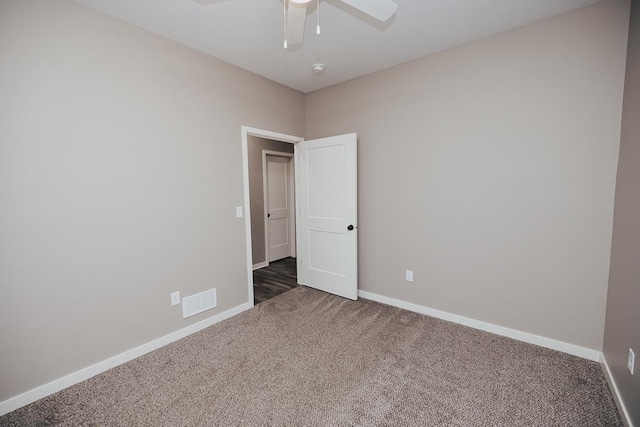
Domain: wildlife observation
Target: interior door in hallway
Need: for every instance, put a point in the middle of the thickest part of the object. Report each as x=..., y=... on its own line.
x=279, y=202
x=327, y=214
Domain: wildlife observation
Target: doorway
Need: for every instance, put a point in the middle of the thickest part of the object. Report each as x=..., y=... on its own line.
x=278, y=273
x=326, y=217
x=279, y=203
x=269, y=169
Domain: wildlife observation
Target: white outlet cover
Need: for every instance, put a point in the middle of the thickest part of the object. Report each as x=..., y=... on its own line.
x=631, y=361
x=409, y=276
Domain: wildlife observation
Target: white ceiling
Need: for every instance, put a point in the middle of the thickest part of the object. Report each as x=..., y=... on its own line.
x=249, y=33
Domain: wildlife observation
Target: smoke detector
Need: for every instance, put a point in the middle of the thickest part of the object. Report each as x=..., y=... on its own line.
x=317, y=68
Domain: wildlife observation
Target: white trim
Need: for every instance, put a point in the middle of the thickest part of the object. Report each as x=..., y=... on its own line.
x=292, y=207
x=626, y=419
x=564, y=347
x=245, y=132
x=265, y=207
x=260, y=265
x=265, y=197
x=83, y=374
x=296, y=178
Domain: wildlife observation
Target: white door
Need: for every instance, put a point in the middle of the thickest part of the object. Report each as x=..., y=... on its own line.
x=327, y=214
x=278, y=207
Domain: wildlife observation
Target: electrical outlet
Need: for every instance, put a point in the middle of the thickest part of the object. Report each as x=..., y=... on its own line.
x=175, y=298
x=408, y=276
x=631, y=361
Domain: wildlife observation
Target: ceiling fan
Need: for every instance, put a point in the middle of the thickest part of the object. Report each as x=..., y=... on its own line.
x=296, y=15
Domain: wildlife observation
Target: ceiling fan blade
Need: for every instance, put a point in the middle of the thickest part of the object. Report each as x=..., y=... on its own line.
x=381, y=10
x=296, y=18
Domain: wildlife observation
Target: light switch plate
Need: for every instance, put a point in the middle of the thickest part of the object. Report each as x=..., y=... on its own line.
x=238, y=211
x=409, y=276
x=631, y=361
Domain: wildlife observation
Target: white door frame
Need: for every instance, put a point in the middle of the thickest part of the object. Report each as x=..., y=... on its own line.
x=290, y=195
x=247, y=131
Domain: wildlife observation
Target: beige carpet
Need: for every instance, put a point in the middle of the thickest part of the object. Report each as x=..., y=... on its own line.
x=308, y=358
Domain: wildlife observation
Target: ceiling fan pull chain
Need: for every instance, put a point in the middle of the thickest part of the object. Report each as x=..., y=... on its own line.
x=284, y=9
x=318, y=16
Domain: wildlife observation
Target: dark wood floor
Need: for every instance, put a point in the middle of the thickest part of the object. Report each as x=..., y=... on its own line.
x=268, y=282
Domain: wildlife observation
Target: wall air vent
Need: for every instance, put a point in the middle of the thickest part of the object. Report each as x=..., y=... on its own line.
x=198, y=303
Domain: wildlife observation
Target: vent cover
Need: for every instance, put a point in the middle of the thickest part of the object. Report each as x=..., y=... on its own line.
x=198, y=303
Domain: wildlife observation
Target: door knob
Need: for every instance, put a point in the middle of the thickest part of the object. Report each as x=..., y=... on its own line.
x=268, y=215
x=350, y=227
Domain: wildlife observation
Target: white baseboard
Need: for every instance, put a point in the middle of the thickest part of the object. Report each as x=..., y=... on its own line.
x=564, y=347
x=626, y=419
x=83, y=374
x=260, y=265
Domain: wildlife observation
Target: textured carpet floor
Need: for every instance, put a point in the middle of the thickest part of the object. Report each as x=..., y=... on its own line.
x=309, y=358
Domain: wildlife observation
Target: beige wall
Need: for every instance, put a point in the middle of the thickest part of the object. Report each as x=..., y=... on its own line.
x=489, y=170
x=255, y=146
x=120, y=170
x=623, y=301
